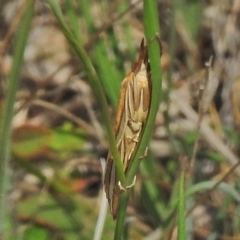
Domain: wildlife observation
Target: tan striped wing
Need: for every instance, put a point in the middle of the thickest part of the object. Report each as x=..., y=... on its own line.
x=132, y=112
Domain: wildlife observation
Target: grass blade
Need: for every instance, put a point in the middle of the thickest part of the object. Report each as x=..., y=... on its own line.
x=13, y=82
x=151, y=25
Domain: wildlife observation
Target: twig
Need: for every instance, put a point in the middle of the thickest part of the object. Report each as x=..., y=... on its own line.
x=103, y=209
x=209, y=135
x=66, y=114
x=98, y=129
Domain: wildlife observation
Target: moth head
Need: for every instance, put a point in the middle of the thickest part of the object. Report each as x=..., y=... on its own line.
x=142, y=64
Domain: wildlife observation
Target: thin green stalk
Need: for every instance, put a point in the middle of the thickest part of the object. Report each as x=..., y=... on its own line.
x=13, y=82
x=152, y=29
x=95, y=85
x=73, y=19
x=109, y=77
x=158, y=210
x=181, y=208
x=85, y=6
x=121, y=216
x=151, y=26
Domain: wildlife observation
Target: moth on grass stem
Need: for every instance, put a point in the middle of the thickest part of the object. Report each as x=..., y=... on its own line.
x=132, y=112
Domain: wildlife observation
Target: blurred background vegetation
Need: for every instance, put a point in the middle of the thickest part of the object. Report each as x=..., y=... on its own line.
x=57, y=134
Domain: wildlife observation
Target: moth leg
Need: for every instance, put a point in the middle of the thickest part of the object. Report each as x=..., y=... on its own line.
x=144, y=154
x=132, y=184
x=121, y=187
x=133, y=139
x=156, y=36
x=127, y=187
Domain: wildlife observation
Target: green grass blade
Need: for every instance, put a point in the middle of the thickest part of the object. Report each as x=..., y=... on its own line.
x=85, y=7
x=121, y=216
x=210, y=185
x=151, y=26
x=95, y=85
x=181, y=208
x=73, y=20
x=13, y=82
x=110, y=80
x=152, y=192
x=109, y=77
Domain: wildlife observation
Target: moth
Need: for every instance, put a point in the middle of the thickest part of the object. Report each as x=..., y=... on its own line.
x=132, y=112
